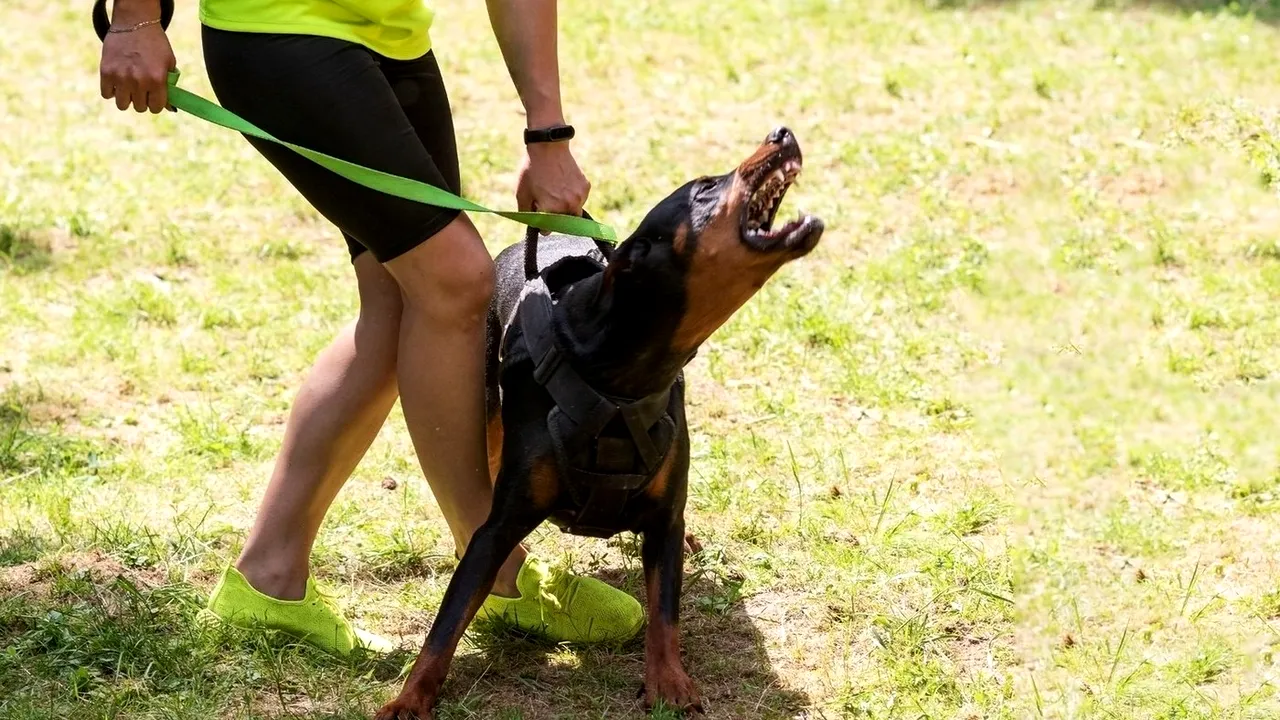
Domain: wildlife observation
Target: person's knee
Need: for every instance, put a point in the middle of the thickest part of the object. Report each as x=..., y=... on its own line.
x=460, y=286
x=450, y=277
x=465, y=285
x=381, y=301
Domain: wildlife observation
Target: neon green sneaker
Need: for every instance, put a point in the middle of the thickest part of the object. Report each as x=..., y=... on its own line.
x=566, y=608
x=314, y=619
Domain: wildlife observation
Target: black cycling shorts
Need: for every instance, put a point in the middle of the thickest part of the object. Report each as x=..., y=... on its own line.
x=344, y=100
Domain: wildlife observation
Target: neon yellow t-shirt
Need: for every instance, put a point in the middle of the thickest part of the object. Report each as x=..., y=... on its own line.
x=398, y=29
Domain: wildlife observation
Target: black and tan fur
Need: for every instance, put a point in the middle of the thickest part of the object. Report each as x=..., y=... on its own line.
x=697, y=257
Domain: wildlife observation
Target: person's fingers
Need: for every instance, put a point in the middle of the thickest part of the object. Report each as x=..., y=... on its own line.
x=123, y=93
x=140, y=99
x=538, y=205
x=524, y=197
x=146, y=84
x=579, y=200
x=158, y=96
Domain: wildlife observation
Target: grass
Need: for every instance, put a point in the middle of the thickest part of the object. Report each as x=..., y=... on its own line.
x=1005, y=446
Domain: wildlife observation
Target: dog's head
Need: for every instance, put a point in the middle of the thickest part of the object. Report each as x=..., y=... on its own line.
x=711, y=244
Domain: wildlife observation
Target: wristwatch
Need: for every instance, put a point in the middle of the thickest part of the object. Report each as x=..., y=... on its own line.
x=555, y=133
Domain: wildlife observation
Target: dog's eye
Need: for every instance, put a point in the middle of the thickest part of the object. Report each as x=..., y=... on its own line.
x=704, y=187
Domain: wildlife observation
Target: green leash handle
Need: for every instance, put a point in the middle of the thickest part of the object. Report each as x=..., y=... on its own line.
x=396, y=185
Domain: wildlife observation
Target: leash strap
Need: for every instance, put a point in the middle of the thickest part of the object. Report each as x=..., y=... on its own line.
x=396, y=185
x=383, y=182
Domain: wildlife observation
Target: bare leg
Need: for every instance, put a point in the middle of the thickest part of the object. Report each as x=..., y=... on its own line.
x=446, y=284
x=337, y=414
x=346, y=398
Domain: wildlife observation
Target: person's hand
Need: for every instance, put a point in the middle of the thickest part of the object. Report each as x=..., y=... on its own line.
x=551, y=181
x=136, y=64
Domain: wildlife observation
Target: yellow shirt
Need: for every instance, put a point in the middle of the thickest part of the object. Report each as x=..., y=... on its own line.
x=398, y=29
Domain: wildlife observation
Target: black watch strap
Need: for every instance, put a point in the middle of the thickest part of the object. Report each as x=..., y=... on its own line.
x=555, y=133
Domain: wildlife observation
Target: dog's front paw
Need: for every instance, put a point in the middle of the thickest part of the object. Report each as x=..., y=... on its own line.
x=408, y=707
x=673, y=686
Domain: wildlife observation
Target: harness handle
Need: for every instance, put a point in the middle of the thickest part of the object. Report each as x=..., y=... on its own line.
x=102, y=23
x=531, y=248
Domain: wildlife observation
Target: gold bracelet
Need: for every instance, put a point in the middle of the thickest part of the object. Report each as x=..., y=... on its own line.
x=135, y=27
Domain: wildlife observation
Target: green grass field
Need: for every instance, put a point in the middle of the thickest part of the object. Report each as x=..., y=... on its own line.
x=1006, y=445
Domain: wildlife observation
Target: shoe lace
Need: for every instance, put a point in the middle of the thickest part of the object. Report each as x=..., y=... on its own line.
x=328, y=601
x=331, y=603
x=556, y=588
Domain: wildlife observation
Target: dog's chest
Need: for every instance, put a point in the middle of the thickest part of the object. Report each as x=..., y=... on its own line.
x=612, y=456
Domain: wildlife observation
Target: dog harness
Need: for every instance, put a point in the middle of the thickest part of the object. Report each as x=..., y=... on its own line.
x=608, y=449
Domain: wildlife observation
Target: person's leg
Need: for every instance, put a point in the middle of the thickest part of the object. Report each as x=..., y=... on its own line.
x=341, y=406
x=447, y=282
x=337, y=98
x=458, y=253
x=337, y=413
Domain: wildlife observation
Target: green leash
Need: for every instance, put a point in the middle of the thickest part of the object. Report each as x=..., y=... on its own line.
x=396, y=185
x=401, y=187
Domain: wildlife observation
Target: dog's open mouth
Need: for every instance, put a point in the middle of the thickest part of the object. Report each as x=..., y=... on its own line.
x=768, y=185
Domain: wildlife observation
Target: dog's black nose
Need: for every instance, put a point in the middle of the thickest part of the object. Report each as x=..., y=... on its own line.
x=781, y=136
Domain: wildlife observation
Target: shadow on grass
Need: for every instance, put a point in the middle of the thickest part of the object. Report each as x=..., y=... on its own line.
x=1267, y=11
x=81, y=631
x=519, y=678
x=22, y=250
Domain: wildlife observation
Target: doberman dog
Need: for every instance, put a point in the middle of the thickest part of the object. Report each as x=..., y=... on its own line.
x=612, y=326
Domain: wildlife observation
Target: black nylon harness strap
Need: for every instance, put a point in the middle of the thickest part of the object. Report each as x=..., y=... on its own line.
x=608, y=479
x=571, y=393
x=640, y=436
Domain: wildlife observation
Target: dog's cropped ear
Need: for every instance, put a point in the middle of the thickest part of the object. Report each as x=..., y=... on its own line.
x=623, y=261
